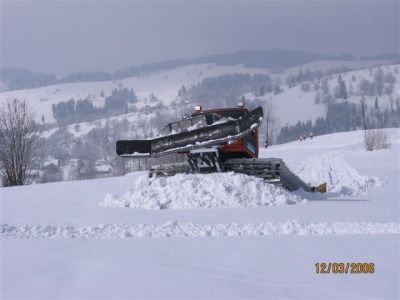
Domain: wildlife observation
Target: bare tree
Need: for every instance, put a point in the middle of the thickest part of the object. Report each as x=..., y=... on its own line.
x=145, y=130
x=19, y=143
x=363, y=115
x=270, y=123
x=375, y=139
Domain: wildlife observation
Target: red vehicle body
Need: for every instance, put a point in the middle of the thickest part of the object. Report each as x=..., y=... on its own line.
x=246, y=147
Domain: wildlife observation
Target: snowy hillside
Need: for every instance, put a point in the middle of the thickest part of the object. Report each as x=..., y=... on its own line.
x=92, y=116
x=326, y=65
x=295, y=104
x=166, y=84
x=211, y=236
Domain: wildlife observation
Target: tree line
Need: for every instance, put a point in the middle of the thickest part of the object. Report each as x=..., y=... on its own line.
x=273, y=59
x=226, y=90
x=343, y=116
x=72, y=111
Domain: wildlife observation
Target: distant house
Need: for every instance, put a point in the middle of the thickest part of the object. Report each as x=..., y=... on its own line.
x=102, y=168
x=33, y=175
x=51, y=161
x=69, y=169
x=50, y=170
x=51, y=173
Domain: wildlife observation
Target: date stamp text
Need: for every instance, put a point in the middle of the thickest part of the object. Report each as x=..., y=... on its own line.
x=344, y=268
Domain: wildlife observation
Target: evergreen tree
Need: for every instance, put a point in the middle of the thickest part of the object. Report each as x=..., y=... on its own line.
x=341, y=90
x=325, y=86
x=379, y=80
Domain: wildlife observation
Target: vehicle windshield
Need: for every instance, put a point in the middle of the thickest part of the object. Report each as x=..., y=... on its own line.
x=201, y=119
x=234, y=114
x=187, y=124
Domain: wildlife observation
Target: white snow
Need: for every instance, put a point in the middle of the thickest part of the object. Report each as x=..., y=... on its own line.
x=164, y=85
x=292, y=104
x=56, y=241
x=82, y=128
x=340, y=177
x=201, y=191
x=179, y=230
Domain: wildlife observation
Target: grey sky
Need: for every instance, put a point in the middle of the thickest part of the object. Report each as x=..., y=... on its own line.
x=67, y=36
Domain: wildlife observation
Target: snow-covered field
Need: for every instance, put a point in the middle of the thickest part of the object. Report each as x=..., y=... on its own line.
x=232, y=237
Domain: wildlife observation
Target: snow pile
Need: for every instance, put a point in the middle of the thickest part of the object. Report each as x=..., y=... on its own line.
x=201, y=191
x=178, y=230
x=337, y=173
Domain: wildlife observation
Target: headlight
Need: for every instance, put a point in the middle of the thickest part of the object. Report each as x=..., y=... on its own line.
x=236, y=142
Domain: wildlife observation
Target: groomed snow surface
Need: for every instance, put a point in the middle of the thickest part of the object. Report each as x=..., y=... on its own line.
x=214, y=236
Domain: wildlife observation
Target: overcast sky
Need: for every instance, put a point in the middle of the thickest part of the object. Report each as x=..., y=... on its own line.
x=67, y=36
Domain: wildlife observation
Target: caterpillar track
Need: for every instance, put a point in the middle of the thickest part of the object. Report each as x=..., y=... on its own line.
x=272, y=170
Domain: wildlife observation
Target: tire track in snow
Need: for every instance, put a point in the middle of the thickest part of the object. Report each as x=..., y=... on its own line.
x=179, y=230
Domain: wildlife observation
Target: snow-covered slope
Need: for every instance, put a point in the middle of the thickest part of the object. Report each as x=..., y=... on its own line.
x=164, y=85
x=295, y=104
x=326, y=65
x=57, y=241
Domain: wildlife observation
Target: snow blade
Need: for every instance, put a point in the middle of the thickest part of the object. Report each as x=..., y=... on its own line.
x=319, y=189
x=138, y=148
x=206, y=136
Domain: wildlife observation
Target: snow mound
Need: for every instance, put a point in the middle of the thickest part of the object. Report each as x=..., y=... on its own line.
x=201, y=191
x=179, y=230
x=337, y=173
